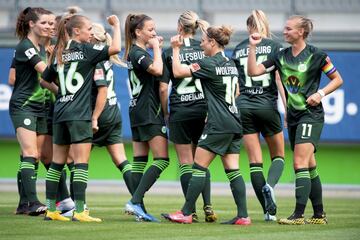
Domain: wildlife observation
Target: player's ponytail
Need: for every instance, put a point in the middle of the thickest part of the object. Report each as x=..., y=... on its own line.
x=132, y=23
x=189, y=21
x=258, y=22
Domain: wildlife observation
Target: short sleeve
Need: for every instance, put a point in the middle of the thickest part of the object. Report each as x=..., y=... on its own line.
x=142, y=59
x=326, y=66
x=201, y=69
x=13, y=63
x=96, y=53
x=99, y=76
x=25, y=52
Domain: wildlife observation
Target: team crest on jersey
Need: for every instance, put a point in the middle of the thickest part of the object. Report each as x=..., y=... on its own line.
x=99, y=74
x=195, y=67
x=293, y=84
x=98, y=47
x=30, y=53
x=302, y=67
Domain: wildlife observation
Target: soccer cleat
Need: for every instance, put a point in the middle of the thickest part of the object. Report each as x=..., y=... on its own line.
x=239, y=221
x=68, y=214
x=195, y=217
x=55, y=216
x=36, y=208
x=319, y=219
x=136, y=209
x=83, y=217
x=294, y=219
x=65, y=205
x=177, y=217
x=22, y=208
x=210, y=216
x=269, y=218
x=269, y=196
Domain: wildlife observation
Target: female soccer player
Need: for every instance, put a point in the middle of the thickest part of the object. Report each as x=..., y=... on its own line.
x=146, y=117
x=27, y=102
x=300, y=67
x=187, y=105
x=258, y=106
x=73, y=64
x=108, y=131
x=222, y=132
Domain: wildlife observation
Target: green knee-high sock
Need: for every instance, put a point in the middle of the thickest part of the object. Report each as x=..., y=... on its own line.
x=185, y=176
x=52, y=181
x=316, y=192
x=137, y=172
x=71, y=168
x=302, y=189
x=63, y=190
x=258, y=181
x=28, y=178
x=22, y=197
x=196, y=186
x=80, y=184
x=238, y=190
x=275, y=170
x=206, y=192
x=149, y=178
x=125, y=168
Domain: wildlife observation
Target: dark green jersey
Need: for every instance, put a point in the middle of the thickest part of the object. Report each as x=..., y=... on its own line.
x=300, y=76
x=27, y=95
x=75, y=79
x=219, y=76
x=144, y=107
x=104, y=76
x=187, y=99
x=261, y=91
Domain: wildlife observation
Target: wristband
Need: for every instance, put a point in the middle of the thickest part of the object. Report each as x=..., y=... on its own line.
x=321, y=92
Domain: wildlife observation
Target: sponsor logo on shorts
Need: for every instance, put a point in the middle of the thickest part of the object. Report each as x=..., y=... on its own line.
x=163, y=129
x=27, y=121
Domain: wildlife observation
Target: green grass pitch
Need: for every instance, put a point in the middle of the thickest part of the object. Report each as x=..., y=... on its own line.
x=343, y=215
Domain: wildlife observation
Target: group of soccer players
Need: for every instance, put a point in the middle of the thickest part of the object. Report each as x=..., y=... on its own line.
x=214, y=102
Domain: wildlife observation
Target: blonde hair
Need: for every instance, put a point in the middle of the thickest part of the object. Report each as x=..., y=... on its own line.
x=190, y=22
x=220, y=34
x=101, y=36
x=258, y=22
x=304, y=23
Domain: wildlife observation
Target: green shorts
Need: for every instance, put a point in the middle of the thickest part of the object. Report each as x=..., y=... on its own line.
x=29, y=122
x=108, y=135
x=221, y=144
x=264, y=121
x=147, y=132
x=69, y=132
x=186, y=132
x=305, y=133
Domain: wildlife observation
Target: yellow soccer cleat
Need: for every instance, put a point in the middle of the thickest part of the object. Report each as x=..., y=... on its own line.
x=210, y=216
x=317, y=219
x=55, y=216
x=84, y=217
x=292, y=220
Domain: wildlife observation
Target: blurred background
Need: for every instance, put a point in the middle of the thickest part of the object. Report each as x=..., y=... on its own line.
x=336, y=30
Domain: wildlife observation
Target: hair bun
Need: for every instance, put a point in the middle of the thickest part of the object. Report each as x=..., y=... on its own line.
x=26, y=10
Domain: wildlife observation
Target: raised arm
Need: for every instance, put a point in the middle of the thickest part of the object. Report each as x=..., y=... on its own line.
x=115, y=46
x=179, y=70
x=253, y=68
x=156, y=68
